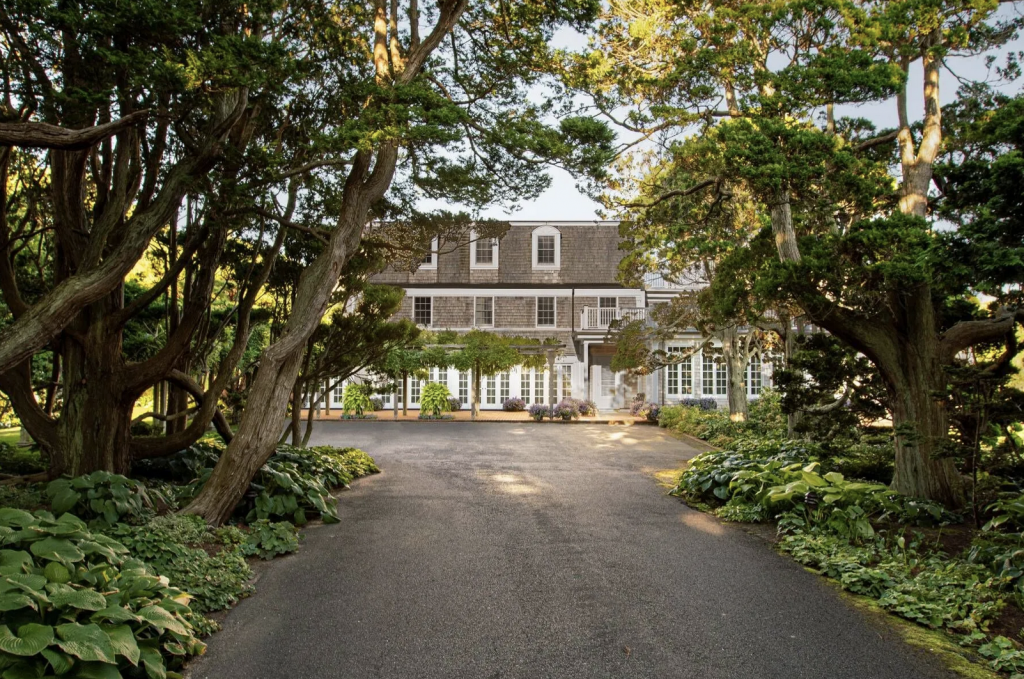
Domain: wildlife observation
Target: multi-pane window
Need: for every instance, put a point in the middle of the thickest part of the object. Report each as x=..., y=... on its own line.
x=485, y=248
x=546, y=246
x=524, y=385
x=566, y=381
x=755, y=379
x=545, y=311
x=463, y=387
x=339, y=391
x=505, y=379
x=545, y=249
x=414, y=390
x=679, y=376
x=484, y=311
x=429, y=260
x=607, y=302
x=442, y=376
x=715, y=376
x=538, y=386
x=492, y=390
x=421, y=308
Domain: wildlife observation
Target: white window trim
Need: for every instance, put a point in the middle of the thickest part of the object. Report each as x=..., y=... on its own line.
x=476, y=322
x=536, y=310
x=547, y=231
x=426, y=325
x=472, y=253
x=433, y=256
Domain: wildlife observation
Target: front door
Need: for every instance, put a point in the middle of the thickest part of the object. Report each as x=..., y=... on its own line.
x=604, y=384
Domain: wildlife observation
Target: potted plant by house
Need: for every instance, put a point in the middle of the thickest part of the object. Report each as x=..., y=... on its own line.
x=538, y=411
x=567, y=410
x=435, y=402
x=356, y=401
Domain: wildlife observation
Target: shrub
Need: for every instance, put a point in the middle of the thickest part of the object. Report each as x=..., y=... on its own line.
x=173, y=546
x=356, y=398
x=29, y=496
x=20, y=461
x=454, y=404
x=765, y=416
x=376, y=403
x=587, y=407
x=103, y=498
x=434, y=399
x=566, y=409
x=144, y=428
x=653, y=413
x=644, y=410
x=72, y=599
x=538, y=411
x=513, y=405
x=293, y=482
x=701, y=403
x=710, y=425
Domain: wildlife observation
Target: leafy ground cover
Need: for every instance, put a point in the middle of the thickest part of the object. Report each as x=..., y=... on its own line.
x=834, y=512
x=99, y=578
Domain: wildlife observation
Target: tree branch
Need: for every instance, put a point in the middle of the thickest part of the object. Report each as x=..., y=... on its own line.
x=674, y=194
x=46, y=136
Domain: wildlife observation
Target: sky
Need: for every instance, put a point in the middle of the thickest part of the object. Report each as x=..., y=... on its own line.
x=563, y=201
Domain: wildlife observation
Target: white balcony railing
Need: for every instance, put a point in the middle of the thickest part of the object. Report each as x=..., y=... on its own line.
x=655, y=281
x=594, y=318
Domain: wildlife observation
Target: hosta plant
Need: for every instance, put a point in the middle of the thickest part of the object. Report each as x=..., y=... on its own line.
x=356, y=399
x=73, y=603
x=103, y=498
x=267, y=540
x=294, y=481
x=179, y=547
x=434, y=399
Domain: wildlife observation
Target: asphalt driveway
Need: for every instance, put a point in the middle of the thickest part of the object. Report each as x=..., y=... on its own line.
x=506, y=550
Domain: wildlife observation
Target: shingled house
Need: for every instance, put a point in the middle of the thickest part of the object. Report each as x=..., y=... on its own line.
x=552, y=280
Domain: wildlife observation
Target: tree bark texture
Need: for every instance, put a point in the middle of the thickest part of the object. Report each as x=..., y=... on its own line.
x=734, y=353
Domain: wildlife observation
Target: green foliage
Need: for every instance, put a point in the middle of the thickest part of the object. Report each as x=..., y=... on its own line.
x=30, y=496
x=18, y=461
x=713, y=426
x=434, y=399
x=293, y=482
x=267, y=540
x=1003, y=656
x=74, y=600
x=932, y=590
x=357, y=398
x=103, y=498
x=176, y=547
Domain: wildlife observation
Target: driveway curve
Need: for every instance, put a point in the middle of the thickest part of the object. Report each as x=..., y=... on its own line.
x=510, y=550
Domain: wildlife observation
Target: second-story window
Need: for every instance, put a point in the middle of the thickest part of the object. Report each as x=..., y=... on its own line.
x=545, y=311
x=547, y=241
x=484, y=311
x=483, y=253
x=545, y=249
x=421, y=308
x=429, y=260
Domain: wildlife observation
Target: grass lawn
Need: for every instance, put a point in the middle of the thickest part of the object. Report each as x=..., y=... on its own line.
x=9, y=435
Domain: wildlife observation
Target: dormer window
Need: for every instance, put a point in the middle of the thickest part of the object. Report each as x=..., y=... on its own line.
x=429, y=260
x=547, y=248
x=483, y=253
